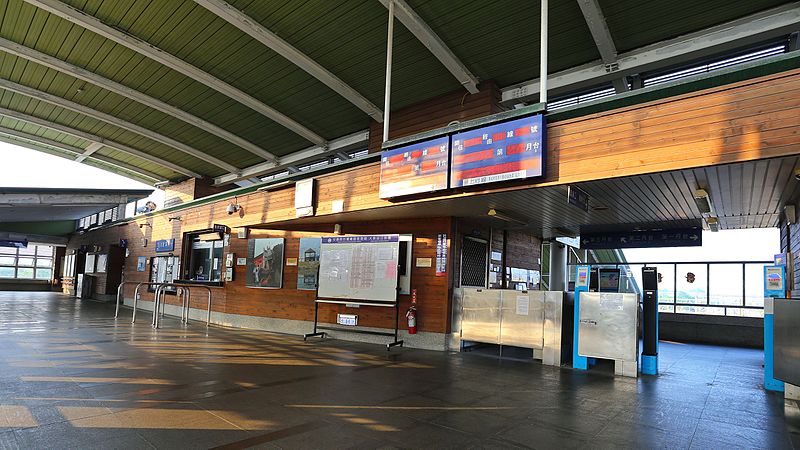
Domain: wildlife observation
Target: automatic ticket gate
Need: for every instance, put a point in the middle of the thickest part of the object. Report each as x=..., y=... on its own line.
x=781, y=340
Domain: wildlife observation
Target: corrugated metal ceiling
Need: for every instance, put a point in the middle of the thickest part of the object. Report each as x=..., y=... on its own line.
x=496, y=40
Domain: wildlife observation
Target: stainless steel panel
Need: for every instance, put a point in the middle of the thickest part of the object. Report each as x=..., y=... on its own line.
x=522, y=319
x=480, y=317
x=553, y=315
x=608, y=325
x=786, y=348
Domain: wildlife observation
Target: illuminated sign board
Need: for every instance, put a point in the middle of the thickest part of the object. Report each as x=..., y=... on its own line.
x=415, y=168
x=505, y=151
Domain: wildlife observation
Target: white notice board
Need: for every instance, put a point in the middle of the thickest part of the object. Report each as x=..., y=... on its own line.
x=359, y=267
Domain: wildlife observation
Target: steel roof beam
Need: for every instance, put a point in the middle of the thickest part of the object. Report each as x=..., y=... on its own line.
x=748, y=30
x=133, y=128
x=598, y=27
x=91, y=23
x=342, y=144
x=90, y=77
x=271, y=40
x=38, y=143
x=90, y=149
x=423, y=32
x=16, y=115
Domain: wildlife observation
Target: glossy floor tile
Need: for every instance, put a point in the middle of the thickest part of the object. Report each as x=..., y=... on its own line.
x=73, y=377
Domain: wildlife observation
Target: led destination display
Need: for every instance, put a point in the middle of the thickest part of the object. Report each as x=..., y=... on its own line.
x=414, y=169
x=505, y=151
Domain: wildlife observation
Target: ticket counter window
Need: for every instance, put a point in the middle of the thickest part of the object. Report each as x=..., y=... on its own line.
x=205, y=259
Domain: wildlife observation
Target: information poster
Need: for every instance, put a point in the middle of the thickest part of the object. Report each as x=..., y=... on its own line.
x=141, y=262
x=414, y=169
x=264, y=263
x=308, y=264
x=441, y=255
x=359, y=267
x=505, y=151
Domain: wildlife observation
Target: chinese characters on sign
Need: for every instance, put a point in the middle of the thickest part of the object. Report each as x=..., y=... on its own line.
x=684, y=237
x=415, y=168
x=441, y=254
x=506, y=151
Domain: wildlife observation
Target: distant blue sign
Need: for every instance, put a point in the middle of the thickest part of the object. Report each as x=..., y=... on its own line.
x=165, y=245
x=684, y=237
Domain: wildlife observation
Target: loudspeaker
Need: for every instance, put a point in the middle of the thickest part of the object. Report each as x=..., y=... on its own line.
x=790, y=213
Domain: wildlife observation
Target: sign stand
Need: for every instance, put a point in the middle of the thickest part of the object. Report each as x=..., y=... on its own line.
x=321, y=334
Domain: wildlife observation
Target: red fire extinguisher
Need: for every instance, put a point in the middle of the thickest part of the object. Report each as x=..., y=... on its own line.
x=411, y=315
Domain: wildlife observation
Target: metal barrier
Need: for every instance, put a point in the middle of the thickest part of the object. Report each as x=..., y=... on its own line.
x=135, y=295
x=185, y=295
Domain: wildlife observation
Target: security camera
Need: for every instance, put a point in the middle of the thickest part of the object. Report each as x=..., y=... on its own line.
x=797, y=174
x=232, y=208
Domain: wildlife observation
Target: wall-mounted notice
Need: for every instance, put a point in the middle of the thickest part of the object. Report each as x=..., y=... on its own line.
x=441, y=254
x=359, y=267
x=416, y=168
x=505, y=151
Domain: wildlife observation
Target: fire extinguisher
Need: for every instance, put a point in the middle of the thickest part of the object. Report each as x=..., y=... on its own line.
x=411, y=314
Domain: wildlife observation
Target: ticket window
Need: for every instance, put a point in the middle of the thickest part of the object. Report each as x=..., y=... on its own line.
x=205, y=258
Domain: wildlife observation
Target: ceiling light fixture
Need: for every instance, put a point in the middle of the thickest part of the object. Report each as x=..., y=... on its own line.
x=703, y=201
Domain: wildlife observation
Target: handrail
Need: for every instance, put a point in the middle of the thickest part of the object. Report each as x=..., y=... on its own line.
x=135, y=295
x=185, y=305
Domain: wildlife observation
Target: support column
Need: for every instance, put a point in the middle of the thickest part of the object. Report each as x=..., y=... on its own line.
x=387, y=93
x=558, y=266
x=543, y=54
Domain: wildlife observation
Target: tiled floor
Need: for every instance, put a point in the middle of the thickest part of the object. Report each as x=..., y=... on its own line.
x=72, y=377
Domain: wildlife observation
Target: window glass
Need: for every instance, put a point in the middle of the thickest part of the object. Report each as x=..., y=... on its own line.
x=692, y=285
x=26, y=262
x=754, y=285
x=44, y=262
x=6, y=272
x=8, y=251
x=7, y=260
x=666, y=283
x=25, y=272
x=725, y=284
x=708, y=310
x=44, y=250
x=29, y=250
x=205, y=260
x=43, y=274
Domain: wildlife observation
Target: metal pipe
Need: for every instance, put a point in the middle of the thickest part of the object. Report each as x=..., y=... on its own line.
x=542, y=55
x=387, y=93
x=208, y=317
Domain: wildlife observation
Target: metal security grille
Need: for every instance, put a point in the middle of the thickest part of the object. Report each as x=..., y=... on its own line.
x=474, y=262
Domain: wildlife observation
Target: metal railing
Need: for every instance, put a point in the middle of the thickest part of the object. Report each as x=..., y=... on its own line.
x=184, y=292
x=136, y=295
x=709, y=298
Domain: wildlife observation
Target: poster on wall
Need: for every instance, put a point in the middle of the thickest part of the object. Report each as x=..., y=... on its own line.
x=89, y=264
x=265, y=263
x=308, y=265
x=102, y=262
x=141, y=262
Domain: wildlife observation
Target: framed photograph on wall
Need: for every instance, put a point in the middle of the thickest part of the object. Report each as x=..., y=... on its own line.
x=308, y=264
x=265, y=263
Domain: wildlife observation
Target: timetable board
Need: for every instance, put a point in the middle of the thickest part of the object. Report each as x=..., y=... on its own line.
x=415, y=168
x=505, y=151
x=359, y=267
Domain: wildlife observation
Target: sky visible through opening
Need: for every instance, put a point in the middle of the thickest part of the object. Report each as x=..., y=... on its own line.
x=29, y=168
